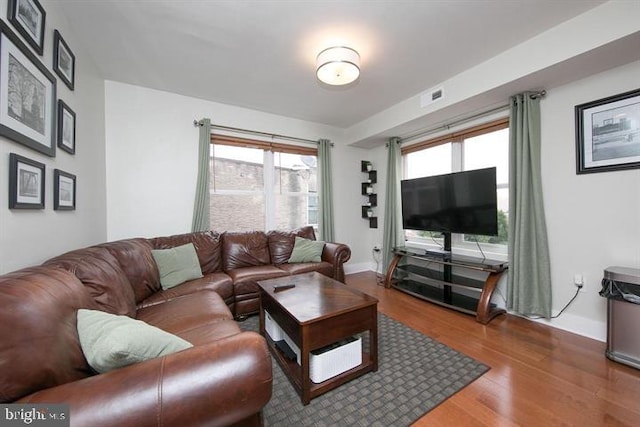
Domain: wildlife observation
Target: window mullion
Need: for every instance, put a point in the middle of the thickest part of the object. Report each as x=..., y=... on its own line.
x=457, y=156
x=269, y=196
x=457, y=165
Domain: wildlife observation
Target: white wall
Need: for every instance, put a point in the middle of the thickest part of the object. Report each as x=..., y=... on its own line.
x=152, y=158
x=365, y=238
x=30, y=237
x=593, y=220
x=519, y=68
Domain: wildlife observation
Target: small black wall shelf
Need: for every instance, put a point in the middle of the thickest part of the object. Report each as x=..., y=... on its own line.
x=368, y=190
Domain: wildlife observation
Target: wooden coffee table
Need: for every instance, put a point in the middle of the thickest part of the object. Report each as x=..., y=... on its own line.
x=317, y=312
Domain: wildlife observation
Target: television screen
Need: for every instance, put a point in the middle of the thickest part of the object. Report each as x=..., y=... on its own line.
x=461, y=202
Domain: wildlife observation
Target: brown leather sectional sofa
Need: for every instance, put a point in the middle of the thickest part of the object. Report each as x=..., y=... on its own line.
x=225, y=379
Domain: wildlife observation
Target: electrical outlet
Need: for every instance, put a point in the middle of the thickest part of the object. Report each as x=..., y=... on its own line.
x=376, y=248
x=578, y=281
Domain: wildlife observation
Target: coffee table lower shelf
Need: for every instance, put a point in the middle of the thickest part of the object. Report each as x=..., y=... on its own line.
x=293, y=372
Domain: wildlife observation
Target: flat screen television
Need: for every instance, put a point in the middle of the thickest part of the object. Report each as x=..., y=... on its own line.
x=461, y=202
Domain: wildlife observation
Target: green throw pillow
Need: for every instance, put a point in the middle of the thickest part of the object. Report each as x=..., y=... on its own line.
x=109, y=341
x=305, y=250
x=177, y=265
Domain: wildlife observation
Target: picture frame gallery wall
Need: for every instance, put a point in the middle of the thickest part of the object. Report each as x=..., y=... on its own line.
x=31, y=114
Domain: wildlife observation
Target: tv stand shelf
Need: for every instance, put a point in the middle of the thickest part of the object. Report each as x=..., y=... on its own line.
x=430, y=277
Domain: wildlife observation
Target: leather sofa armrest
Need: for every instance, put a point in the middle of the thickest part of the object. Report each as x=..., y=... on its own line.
x=216, y=384
x=336, y=254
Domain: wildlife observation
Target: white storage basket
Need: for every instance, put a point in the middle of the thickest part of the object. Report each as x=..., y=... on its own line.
x=335, y=359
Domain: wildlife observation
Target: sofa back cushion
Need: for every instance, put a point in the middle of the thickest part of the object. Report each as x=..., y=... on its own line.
x=245, y=249
x=39, y=347
x=208, y=246
x=101, y=273
x=177, y=265
x=134, y=257
x=281, y=243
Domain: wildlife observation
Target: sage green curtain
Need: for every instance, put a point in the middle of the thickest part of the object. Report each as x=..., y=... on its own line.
x=529, y=284
x=393, y=232
x=325, y=228
x=201, y=206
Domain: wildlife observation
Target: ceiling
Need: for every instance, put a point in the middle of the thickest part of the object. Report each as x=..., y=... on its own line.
x=261, y=54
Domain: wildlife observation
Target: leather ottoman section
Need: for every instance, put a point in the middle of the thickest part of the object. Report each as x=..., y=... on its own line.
x=186, y=312
x=324, y=268
x=217, y=282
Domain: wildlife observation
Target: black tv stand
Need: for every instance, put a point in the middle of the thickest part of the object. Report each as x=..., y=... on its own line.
x=431, y=277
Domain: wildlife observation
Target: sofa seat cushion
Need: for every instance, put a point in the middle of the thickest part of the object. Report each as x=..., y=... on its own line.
x=244, y=279
x=101, y=273
x=39, y=345
x=220, y=283
x=308, y=267
x=110, y=342
x=209, y=332
x=186, y=312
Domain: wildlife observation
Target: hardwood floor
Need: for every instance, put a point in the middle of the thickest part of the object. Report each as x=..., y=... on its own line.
x=539, y=376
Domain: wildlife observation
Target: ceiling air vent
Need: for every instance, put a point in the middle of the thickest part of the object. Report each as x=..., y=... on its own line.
x=431, y=96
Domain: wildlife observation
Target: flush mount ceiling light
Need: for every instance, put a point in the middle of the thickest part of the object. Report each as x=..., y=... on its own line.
x=338, y=66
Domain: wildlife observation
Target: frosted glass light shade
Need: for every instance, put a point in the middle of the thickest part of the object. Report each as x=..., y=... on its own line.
x=338, y=66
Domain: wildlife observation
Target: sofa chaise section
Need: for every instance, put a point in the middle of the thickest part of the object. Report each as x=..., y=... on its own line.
x=225, y=379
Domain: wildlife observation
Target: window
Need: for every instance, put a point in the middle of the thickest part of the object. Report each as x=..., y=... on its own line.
x=256, y=185
x=479, y=147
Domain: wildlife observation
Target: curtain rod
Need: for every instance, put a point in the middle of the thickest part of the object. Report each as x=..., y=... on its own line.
x=448, y=126
x=255, y=132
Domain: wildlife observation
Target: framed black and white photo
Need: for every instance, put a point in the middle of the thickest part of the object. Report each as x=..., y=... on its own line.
x=28, y=17
x=66, y=128
x=27, y=96
x=608, y=133
x=64, y=61
x=64, y=191
x=26, y=183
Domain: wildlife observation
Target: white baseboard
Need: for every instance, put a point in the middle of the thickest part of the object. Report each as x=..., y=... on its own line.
x=567, y=322
x=578, y=325
x=359, y=267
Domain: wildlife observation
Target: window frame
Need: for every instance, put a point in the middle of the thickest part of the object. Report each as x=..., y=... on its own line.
x=269, y=148
x=457, y=138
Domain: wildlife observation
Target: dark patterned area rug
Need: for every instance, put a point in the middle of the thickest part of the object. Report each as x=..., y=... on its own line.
x=415, y=374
